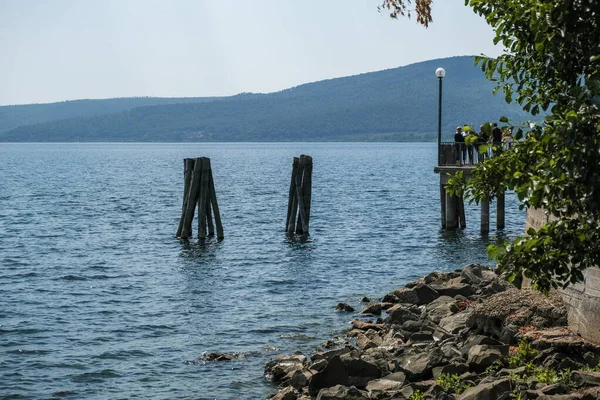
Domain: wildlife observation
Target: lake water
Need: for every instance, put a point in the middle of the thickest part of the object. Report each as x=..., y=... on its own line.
x=98, y=300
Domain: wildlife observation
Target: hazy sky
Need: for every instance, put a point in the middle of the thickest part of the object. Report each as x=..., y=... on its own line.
x=55, y=50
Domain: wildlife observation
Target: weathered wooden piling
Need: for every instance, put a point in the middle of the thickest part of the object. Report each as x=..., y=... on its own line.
x=188, y=167
x=462, y=221
x=500, y=211
x=485, y=215
x=199, y=190
x=300, y=194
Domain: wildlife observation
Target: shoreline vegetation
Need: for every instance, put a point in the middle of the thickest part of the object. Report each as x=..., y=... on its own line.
x=467, y=335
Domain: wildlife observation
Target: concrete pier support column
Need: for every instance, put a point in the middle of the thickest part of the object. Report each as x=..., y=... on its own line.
x=485, y=215
x=500, y=211
x=451, y=212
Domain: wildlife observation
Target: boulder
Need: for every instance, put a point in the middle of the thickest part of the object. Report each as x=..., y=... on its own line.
x=372, y=309
x=327, y=355
x=343, y=307
x=399, y=314
x=340, y=392
x=419, y=294
x=364, y=325
x=478, y=339
x=557, y=388
x=487, y=391
x=392, y=382
x=585, y=378
x=471, y=274
x=482, y=356
x=299, y=378
x=440, y=308
x=419, y=365
x=360, y=371
x=335, y=373
x=421, y=337
x=452, y=369
x=411, y=326
x=288, y=393
x=456, y=322
x=282, y=366
x=454, y=287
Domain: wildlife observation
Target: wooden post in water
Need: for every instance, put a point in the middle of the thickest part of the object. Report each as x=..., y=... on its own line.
x=500, y=211
x=292, y=199
x=203, y=198
x=193, y=193
x=300, y=194
x=462, y=221
x=199, y=189
x=307, y=189
x=188, y=166
x=215, y=206
x=485, y=215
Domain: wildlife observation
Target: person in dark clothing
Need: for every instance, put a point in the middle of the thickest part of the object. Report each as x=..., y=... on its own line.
x=459, y=140
x=496, y=138
x=483, y=139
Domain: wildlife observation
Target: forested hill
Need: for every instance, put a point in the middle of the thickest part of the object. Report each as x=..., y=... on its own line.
x=396, y=104
x=14, y=116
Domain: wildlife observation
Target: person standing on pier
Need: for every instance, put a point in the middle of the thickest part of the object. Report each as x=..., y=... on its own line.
x=459, y=140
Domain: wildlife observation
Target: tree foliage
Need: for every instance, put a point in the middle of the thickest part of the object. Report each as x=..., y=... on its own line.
x=402, y=8
x=551, y=62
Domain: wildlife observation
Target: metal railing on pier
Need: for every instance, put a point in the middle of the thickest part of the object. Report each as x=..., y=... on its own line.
x=461, y=154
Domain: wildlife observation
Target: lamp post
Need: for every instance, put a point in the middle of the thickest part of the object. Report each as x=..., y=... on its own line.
x=440, y=73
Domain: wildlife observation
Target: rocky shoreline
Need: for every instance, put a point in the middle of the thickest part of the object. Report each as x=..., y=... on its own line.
x=466, y=335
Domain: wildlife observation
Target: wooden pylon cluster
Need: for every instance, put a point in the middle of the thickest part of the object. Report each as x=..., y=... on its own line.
x=298, y=215
x=199, y=188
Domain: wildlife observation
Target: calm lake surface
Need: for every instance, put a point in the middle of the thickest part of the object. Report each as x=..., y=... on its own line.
x=98, y=300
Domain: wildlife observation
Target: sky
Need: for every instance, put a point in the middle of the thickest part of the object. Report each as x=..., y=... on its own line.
x=57, y=50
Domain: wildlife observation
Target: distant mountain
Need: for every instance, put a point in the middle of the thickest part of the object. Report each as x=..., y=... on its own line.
x=398, y=104
x=14, y=116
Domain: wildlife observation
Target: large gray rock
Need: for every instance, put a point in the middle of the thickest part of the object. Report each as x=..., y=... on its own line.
x=456, y=322
x=419, y=294
x=441, y=307
x=389, y=383
x=344, y=307
x=451, y=369
x=282, y=366
x=482, y=356
x=335, y=373
x=478, y=339
x=360, y=371
x=299, y=378
x=487, y=391
x=472, y=274
x=288, y=393
x=372, y=309
x=454, y=287
x=398, y=314
x=585, y=378
x=340, y=392
x=417, y=366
